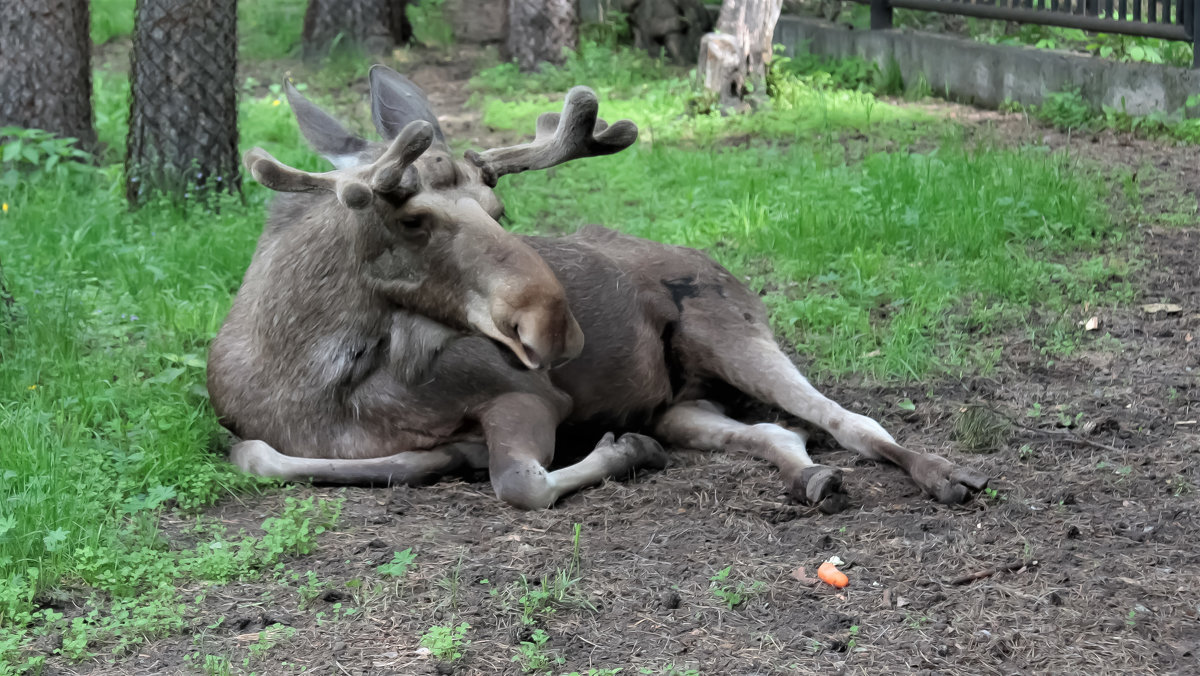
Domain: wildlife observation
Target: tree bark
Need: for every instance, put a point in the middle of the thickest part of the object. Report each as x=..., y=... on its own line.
x=541, y=31
x=45, y=67
x=671, y=26
x=374, y=25
x=183, y=134
x=733, y=61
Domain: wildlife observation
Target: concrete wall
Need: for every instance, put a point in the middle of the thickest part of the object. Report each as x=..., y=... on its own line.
x=990, y=75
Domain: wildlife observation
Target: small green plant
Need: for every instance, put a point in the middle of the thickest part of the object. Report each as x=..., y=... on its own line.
x=1131, y=618
x=268, y=638
x=1066, y=110
x=531, y=655
x=446, y=643
x=210, y=665
x=310, y=590
x=980, y=430
x=994, y=495
x=734, y=595
x=852, y=642
x=401, y=561
x=38, y=150
x=552, y=592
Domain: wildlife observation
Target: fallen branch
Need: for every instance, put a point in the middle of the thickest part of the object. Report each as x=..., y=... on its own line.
x=1069, y=435
x=981, y=574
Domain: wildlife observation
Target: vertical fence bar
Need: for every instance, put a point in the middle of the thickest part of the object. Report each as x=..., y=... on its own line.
x=1108, y=9
x=1152, y=6
x=881, y=15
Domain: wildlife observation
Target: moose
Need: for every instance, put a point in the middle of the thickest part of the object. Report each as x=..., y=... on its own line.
x=389, y=331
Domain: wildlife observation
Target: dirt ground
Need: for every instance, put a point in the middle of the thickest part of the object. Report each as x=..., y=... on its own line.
x=1083, y=558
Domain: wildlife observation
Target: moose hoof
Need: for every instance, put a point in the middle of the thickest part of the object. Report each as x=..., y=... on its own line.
x=631, y=452
x=645, y=452
x=821, y=487
x=946, y=482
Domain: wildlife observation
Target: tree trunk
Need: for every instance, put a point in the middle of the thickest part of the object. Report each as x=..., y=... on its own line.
x=374, y=25
x=45, y=67
x=733, y=61
x=541, y=31
x=183, y=113
x=671, y=26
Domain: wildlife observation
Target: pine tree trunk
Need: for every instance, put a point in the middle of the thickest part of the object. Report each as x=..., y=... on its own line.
x=671, y=26
x=183, y=113
x=733, y=61
x=374, y=25
x=541, y=31
x=45, y=67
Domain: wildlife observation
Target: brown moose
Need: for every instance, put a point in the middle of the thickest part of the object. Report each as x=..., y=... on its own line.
x=389, y=330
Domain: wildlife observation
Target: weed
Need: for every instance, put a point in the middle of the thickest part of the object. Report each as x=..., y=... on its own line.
x=734, y=595
x=452, y=583
x=531, y=655
x=1179, y=485
x=311, y=590
x=551, y=593
x=401, y=561
x=852, y=642
x=994, y=495
x=268, y=638
x=446, y=643
x=209, y=665
x=978, y=429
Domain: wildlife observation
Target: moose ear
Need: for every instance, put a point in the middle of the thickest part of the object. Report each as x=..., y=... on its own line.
x=396, y=101
x=326, y=135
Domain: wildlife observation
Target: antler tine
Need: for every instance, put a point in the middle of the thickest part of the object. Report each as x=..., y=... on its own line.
x=280, y=177
x=575, y=133
x=394, y=174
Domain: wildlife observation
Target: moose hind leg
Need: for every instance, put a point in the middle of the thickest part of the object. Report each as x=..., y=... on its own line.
x=762, y=370
x=411, y=468
x=727, y=336
x=520, y=433
x=701, y=425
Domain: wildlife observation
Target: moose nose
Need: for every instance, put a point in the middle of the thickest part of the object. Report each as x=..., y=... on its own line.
x=547, y=345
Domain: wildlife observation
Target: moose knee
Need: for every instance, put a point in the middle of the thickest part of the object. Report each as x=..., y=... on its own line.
x=255, y=457
x=525, y=487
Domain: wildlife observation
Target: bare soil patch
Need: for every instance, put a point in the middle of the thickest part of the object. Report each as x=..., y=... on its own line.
x=1083, y=559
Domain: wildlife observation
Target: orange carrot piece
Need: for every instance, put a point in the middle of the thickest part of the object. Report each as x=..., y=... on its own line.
x=829, y=574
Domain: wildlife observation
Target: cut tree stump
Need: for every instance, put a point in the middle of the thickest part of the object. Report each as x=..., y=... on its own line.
x=733, y=60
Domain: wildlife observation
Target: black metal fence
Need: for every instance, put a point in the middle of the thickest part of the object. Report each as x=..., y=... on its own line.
x=1167, y=19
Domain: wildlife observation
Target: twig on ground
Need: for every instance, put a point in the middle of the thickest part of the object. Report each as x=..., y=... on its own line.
x=981, y=574
x=1070, y=435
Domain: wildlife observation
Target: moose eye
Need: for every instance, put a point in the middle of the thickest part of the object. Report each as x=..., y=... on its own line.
x=413, y=223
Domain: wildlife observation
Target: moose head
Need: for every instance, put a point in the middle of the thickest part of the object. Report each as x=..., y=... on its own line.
x=424, y=224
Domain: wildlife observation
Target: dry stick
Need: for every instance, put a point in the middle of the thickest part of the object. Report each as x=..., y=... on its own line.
x=1070, y=436
x=980, y=574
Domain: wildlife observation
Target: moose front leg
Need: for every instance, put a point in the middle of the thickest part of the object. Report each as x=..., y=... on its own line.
x=520, y=428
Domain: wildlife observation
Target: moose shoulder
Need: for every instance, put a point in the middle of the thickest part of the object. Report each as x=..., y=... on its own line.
x=388, y=330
